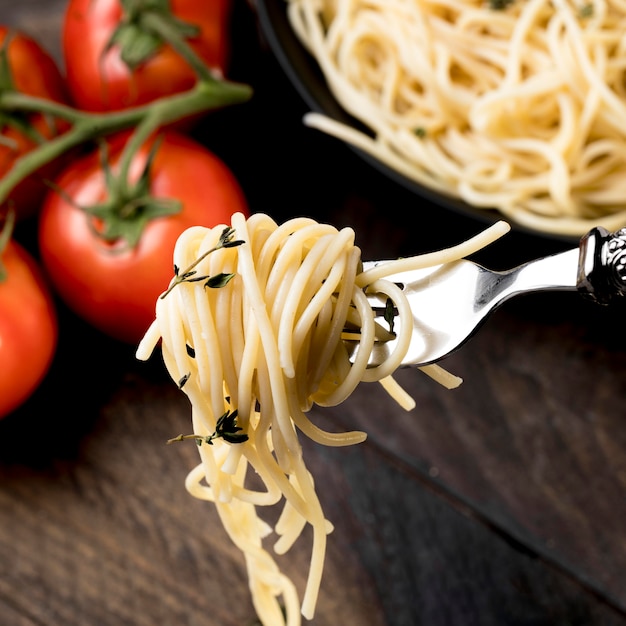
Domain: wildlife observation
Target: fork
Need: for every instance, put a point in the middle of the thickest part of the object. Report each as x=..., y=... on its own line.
x=450, y=302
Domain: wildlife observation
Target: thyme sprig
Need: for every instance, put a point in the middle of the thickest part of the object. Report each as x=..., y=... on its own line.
x=225, y=428
x=190, y=275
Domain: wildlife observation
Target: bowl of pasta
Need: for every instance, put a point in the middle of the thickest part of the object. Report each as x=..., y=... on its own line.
x=492, y=108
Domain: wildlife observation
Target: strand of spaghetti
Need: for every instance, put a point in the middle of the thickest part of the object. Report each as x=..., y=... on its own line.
x=212, y=460
x=177, y=327
x=268, y=340
x=391, y=386
x=558, y=178
x=329, y=334
x=286, y=260
x=172, y=331
x=441, y=375
x=318, y=549
x=321, y=436
x=310, y=508
x=206, y=365
x=270, y=259
x=321, y=255
x=272, y=493
x=193, y=484
x=595, y=82
x=243, y=386
x=403, y=338
x=234, y=369
x=355, y=373
x=204, y=337
x=229, y=312
x=209, y=467
x=233, y=459
x=289, y=527
x=522, y=31
x=314, y=283
x=461, y=250
x=148, y=342
x=263, y=434
x=265, y=577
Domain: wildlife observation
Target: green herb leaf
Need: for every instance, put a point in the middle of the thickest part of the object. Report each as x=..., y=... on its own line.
x=233, y=244
x=219, y=280
x=390, y=314
x=226, y=239
x=189, y=275
x=225, y=428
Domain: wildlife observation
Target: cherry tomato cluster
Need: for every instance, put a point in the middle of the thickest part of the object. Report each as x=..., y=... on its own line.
x=107, y=218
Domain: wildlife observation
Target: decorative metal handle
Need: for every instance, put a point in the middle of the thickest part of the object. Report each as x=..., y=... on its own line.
x=602, y=265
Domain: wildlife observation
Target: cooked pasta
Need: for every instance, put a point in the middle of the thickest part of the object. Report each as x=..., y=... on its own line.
x=251, y=328
x=507, y=104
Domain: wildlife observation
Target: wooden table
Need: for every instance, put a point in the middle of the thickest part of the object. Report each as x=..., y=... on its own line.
x=500, y=503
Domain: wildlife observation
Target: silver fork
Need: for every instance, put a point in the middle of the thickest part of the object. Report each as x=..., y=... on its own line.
x=450, y=302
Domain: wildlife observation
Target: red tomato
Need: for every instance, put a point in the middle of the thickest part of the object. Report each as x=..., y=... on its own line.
x=100, y=81
x=28, y=328
x=33, y=72
x=116, y=289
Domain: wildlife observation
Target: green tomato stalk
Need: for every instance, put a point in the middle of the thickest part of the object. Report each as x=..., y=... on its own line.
x=85, y=126
x=147, y=24
x=5, y=237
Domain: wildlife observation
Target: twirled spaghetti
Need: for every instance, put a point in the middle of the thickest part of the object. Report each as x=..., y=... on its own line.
x=252, y=327
x=518, y=105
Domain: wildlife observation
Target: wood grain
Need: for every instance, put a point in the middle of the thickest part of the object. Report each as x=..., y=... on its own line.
x=499, y=503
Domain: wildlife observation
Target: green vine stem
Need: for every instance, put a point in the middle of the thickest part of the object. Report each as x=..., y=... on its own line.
x=155, y=19
x=156, y=23
x=206, y=95
x=5, y=238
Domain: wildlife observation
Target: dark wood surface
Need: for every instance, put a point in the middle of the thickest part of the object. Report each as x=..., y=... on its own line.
x=500, y=503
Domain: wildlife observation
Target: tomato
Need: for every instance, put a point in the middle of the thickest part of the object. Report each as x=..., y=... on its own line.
x=28, y=328
x=112, y=287
x=33, y=72
x=99, y=80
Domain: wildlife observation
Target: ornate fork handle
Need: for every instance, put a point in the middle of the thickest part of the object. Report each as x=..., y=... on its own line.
x=602, y=266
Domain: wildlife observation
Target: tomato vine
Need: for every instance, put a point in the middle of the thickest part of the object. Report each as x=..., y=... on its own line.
x=147, y=16
x=5, y=236
x=145, y=119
